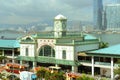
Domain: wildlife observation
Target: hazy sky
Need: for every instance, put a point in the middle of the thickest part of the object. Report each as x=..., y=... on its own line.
x=27, y=11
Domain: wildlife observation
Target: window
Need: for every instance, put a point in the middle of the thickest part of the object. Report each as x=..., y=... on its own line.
x=64, y=54
x=47, y=51
x=26, y=51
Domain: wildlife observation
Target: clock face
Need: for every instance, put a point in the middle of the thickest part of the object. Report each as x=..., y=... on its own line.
x=57, y=24
x=64, y=25
x=60, y=25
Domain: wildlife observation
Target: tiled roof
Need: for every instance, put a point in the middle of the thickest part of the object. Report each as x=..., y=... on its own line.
x=112, y=50
x=9, y=44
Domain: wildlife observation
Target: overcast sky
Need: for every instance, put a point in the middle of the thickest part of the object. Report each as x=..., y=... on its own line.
x=27, y=11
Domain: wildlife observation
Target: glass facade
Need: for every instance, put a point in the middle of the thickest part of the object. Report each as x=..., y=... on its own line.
x=117, y=1
x=98, y=8
x=113, y=17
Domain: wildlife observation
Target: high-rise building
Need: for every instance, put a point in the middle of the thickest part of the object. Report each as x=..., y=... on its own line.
x=98, y=8
x=104, y=21
x=117, y=1
x=113, y=17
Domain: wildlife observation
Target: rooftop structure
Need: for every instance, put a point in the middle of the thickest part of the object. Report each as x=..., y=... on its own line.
x=57, y=47
x=98, y=9
x=110, y=51
x=9, y=44
x=60, y=17
x=75, y=51
x=106, y=59
x=9, y=49
x=117, y=1
x=112, y=17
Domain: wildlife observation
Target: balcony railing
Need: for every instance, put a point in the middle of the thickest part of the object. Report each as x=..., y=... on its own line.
x=103, y=63
x=44, y=59
x=26, y=58
x=98, y=63
x=66, y=62
x=85, y=61
x=55, y=61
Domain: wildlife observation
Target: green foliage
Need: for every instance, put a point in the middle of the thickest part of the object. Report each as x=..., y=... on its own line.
x=103, y=79
x=47, y=75
x=53, y=76
x=17, y=78
x=1, y=75
x=117, y=70
x=84, y=77
x=2, y=57
x=103, y=44
x=59, y=76
x=41, y=73
x=13, y=77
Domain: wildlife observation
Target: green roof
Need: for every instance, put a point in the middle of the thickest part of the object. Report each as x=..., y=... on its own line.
x=69, y=34
x=9, y=44
x=44, y=35
x=89, y=37
x=113, y=50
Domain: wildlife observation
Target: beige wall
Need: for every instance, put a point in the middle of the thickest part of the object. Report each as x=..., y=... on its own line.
x=69, y=52
x=30, y=47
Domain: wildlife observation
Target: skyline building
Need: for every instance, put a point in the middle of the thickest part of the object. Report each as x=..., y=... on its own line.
x=98, y=9
x=117, y=1
x=113, y=17
x=104, y=21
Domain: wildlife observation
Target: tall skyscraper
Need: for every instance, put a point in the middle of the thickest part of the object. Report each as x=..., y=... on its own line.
x=113, y=17
x=98, y=9
x=104, y=21
x=118, y=1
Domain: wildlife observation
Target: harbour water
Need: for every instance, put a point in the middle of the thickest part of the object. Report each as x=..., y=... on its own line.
x=112, y=39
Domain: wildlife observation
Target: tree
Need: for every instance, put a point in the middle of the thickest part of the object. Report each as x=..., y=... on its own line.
x=1, y=75
x=2, y=58
x=47, y=75
x=103, y=45
x=41, y=73
x=84, y=77
x=59, y=76
x=117, y=71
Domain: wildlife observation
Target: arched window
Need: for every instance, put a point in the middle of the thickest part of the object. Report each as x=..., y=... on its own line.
x=26, y=51
x=47, y=51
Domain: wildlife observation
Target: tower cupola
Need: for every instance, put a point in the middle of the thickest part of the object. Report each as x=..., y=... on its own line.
x=60, y=23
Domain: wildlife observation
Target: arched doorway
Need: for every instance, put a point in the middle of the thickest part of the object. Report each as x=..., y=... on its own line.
x=47, y=51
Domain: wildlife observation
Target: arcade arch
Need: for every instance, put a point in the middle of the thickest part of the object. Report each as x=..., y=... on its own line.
x=47, y=51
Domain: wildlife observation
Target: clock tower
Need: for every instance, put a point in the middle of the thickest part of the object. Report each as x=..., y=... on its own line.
x=60, y=23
